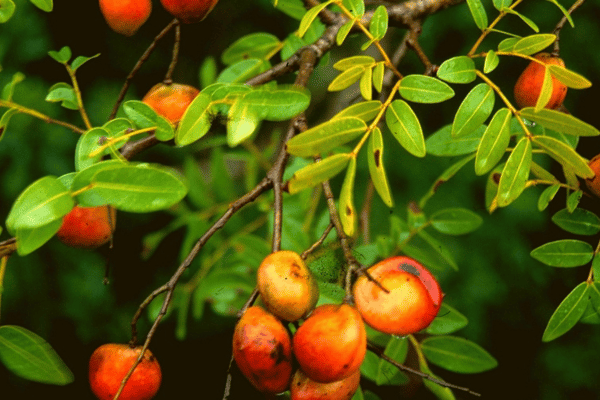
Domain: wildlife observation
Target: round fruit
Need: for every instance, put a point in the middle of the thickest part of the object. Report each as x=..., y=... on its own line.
x=331, y=344
x=170, y=101
x=125, y=16
x=287, y=287
x=304, y=388
x=594, y=183
x=189, y=11
x=262, y=350
x=111, y=362
x=413, y=301
x=88, y=227
x=529, y=85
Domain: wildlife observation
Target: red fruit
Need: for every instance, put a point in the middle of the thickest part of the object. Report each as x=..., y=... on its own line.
x=111, y=362
x=594, y=183
x=189, y=11
x=88, y=227
x=529, y=85
x=125, y=16
x=304, y=388
x=331, y=344
x=413, y=301
x=170, y=101
x=262, y=350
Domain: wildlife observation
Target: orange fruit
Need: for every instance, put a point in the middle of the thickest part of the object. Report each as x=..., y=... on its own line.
x=287, y=287
x=331, y=344
x=529, y=85
x=111, y=362
x=125, y=16
x=88, y=227
x=304, y=388
x=189, y=11
x=594, y=183
x=262, y=350
x=413, y=301
x=170, y=101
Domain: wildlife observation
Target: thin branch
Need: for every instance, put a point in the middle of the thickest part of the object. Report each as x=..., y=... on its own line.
x=318, y=243
x=365, y=213
x=561, y=24
x=139, y=64
x=39, y=115
x=168, y=77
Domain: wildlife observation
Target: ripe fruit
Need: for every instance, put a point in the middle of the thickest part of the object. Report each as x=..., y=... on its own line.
x=125, y=16
x=331, y=344
x=111, y=362
x=304, y=388
x=594, y=183
x=262, y=349
x=170, y=101
x=189, y=11
x=88, y=227
x=413, y=301
x=287, y=287
x=529, y=85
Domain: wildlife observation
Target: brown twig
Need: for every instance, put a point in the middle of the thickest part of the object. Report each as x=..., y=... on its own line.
x=561, y=24
x=319, y=242
x=365, y=213
x=168, y=77
x=139, y=64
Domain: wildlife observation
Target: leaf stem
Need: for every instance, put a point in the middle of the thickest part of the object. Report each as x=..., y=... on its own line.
x=39, y=115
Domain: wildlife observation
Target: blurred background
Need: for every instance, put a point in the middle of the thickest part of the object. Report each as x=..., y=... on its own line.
x=57, y=292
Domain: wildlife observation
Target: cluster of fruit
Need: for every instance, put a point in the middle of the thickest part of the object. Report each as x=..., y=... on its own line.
x=396, y=296
x=127, y=16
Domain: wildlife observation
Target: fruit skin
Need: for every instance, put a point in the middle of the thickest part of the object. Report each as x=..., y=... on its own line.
x=413, y=301
x=125, y=16
x=529, y=85
x=304, y=388
x=88, y=227
x=110, y=363
x=189, y=11
x=593, y=184
x=262, y=350
x=287, y=287
x=170, y=101
x=331, y=344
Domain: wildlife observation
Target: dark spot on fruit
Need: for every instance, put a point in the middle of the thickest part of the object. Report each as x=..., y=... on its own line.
x=277, y=354
x=377, y=156
x=409, y=268
x=295, y=271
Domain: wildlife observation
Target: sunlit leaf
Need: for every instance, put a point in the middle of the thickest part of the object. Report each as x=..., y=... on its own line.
x=365, y=110
x=474, y=110
x=7, y=9
x=569, y=78
x=195, y=122
x=326, y=136
x=318, y=172
x=310, y=16
x=356, y=7
x=379, y=23
x=346, y=78
x=494, y=142
x=478, y=13
x=354, y=61
x=256, y=45
x=143, y=116
x=547, y=196
x=424, y=89
x=515, y=173
x=460, y=69
x=366, y=83
x=44, y=5
x=523, y=18
x=406, y=128
x=534, y=43
x=376, y=167
x=545, y=91
x=347, y=210
x=343, y=32
x=378, y=74
x=565, y=155
x=491, y=61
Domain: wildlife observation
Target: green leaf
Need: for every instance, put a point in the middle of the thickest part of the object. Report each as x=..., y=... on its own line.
x=534, y=43
x=207, y=73
x=195, y=122
x=365, y=110
x=354, y=61
x=143, y=116
x=447, y=321
x=243, y=70
x=275, y=103
x=378, y=74
x=457, y=354
x=596, y=268
x=478, y=13
x=424, y=89
x=356, y=7
x=241, y=123
x=491, y=62
x=545, y=91
x=455, y=221
x=460, y=69
x=9, y=88
x=579, y=221
x=442, y=143
x=88, y=143
x=569, y=78
x=573, y=200
x=7, y=9
x=366, y=83
x=42, y=202
x=135, y=188
x=310, y=16
x=377, y=169
x=62, y=56
x=4, y=120
x=515, y=173
x=559, y=122
x=29, y=240
x=566, y=13
x=29, y=356
x=494, y=142
x=474, y=110
x=500, y=4
x=507, y=44
x=565, y=155
x=567, y=314
x=346, y=78
x=565, y=253
x=547, y=196
x=441, y=392
x=64, y=93
x=347, y=210
x=318, y=172
x=44, y=5
x=379, y=23
x=343, y=32
x=326, y=136
x=406, y=128
x=293, y=8
x=79, y=61
x=523, y=18
x=388, y=374
x=255, y=45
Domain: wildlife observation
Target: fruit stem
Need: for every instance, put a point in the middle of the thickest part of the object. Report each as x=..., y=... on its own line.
x=168, y=77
